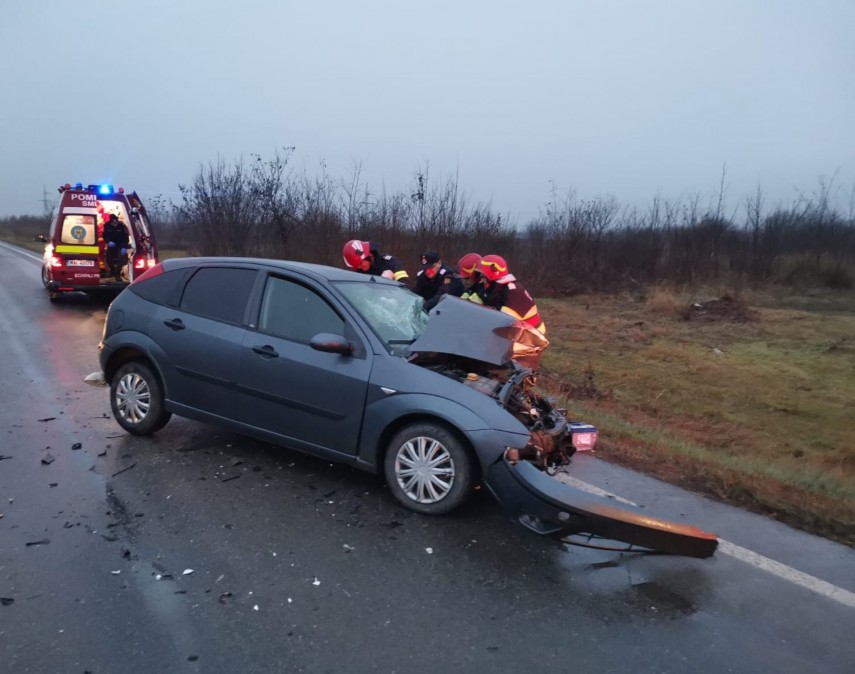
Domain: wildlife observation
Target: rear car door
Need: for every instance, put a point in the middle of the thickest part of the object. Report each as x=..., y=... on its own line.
x=200, y=340
x=311, y=399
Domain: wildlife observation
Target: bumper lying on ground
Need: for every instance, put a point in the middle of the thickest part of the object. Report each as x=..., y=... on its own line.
x=549, y=507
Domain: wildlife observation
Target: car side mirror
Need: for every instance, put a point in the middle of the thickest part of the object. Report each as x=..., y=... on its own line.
x=330, y=343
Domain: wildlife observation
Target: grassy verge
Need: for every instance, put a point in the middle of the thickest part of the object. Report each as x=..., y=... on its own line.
x=751, y=402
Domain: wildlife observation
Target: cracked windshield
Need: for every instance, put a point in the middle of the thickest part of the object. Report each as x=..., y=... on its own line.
x=395, y=314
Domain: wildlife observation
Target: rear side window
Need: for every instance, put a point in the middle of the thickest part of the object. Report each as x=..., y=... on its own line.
x=295, y=312
x=79, y=230
x=163, y=288
x=221, y=293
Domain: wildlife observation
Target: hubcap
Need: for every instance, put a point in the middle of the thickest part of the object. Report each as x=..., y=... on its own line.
x=425, y=469
x=133, y=398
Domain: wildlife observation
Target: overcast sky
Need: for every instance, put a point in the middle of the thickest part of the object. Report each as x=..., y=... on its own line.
x=625, y=98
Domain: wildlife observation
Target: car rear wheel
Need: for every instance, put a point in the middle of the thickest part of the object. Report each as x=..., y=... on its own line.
x=136, y=398
x=428, y=469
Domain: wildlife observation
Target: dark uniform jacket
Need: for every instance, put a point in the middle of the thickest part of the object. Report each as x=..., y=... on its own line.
x=381, y=263
x=444, y=282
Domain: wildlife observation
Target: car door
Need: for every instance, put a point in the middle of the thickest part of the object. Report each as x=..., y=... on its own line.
x=311, y=399
x=199, y=341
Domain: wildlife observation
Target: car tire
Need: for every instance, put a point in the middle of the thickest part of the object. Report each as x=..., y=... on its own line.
x=428, y=469
x=136, y=398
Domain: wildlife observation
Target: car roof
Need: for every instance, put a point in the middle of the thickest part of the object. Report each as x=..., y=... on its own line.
x=317, y=271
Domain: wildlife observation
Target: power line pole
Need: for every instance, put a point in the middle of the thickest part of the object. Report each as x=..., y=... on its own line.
x=46, y=203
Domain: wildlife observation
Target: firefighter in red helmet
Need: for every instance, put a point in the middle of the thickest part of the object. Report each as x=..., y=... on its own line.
x=503, y=292
x=473, y=282
x=365, y=257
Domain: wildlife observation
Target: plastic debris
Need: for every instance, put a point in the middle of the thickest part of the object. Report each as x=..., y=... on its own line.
x=77, y=445
x=187, y=572
x=116, y=572
x=43, y=541
x=316, y=582
x=48, y=460
x=6, y=601
x=429, y=551
x=348, y=548
x=255, y=608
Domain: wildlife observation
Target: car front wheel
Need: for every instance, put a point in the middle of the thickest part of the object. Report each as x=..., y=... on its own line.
x=136, y=399
x=428, y=469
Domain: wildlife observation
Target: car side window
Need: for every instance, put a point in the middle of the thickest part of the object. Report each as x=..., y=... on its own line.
x=221, y=293
x=294, y=311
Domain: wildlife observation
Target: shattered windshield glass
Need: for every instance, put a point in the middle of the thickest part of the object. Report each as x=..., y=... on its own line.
x=396, y=314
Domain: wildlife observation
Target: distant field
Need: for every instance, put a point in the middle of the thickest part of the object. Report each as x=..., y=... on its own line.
x=751, y=402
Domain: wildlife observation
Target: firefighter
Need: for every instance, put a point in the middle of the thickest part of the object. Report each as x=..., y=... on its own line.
x=470, y=277
x=116, y=240
x=434, y=280
x=503, y=292
x=365, y=257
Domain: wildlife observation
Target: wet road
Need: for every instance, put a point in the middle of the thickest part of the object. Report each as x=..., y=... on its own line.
x=201, y=551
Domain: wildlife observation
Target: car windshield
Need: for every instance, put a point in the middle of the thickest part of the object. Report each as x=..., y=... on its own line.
x=394, y=313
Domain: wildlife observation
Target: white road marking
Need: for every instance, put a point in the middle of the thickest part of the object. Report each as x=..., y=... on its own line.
x=778, y=569
x=21, y=251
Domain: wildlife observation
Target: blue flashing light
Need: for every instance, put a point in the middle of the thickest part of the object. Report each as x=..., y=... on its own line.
x=105, y=189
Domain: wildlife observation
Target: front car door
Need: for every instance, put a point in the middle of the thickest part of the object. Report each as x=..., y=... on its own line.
x=310, y=399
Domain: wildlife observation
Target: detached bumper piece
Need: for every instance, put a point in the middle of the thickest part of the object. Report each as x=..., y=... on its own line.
x=552, y=508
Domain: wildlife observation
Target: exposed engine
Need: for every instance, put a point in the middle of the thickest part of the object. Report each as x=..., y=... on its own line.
x=551, y=443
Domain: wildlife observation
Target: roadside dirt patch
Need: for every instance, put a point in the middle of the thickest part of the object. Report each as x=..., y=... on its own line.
x=725, y=308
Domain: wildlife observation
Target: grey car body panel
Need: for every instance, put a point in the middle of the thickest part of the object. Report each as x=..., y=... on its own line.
x=462, y=328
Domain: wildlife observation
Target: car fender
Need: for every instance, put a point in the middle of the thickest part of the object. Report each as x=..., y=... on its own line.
x=489, y=437
x=111, y=354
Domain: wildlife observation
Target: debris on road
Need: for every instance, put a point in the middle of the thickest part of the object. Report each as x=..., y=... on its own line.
x=3, y=457
x=77, y=445
x=43, y=541
x=124, y=469
x=48, y=419
x=47, y=460
x=348, y=548
x=316, y=582
x=6, y=601
x=187, y=572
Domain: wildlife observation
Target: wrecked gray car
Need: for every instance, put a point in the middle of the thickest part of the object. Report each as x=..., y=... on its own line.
x=350, y=368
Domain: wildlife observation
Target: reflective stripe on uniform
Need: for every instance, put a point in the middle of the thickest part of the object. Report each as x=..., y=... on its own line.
x=400, y=274
x=93, y=250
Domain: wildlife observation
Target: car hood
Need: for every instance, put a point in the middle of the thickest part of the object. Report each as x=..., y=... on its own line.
x=461, y=328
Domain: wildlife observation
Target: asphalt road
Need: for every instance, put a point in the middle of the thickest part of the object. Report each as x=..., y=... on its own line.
x=198, y=550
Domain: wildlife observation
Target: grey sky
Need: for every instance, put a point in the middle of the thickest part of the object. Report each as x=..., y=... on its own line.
x=630, y=99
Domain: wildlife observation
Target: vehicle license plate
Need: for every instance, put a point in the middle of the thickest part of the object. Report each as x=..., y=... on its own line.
x=81, y=263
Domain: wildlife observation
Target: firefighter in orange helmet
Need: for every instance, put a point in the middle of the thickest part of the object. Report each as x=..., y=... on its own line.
x=365, y=257
x=503, y=292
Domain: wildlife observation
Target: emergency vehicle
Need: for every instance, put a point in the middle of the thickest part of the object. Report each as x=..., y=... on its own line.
x=75, y=252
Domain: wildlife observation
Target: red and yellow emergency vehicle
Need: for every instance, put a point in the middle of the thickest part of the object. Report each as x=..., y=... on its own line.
x=74, y=258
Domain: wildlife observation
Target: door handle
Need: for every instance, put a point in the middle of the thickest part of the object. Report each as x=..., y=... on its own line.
x=174, y=323
x=266, y=351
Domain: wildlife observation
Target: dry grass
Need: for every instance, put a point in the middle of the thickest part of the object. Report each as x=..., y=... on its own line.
x=756, y=411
